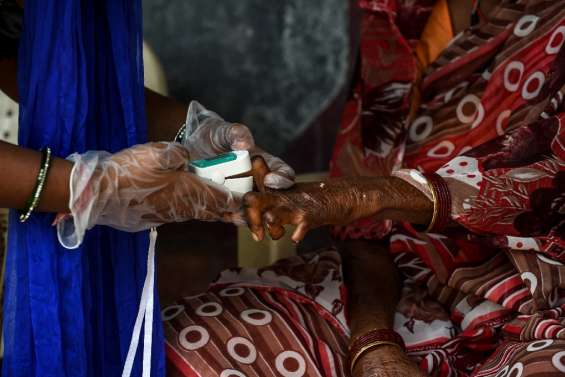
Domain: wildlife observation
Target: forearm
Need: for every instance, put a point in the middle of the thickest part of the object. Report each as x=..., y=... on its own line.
x=381, y=198
x=19, y=168
x=165, y=116
x=373, y=285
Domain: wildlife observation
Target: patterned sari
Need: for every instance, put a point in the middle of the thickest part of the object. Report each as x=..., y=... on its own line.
x=487, y=115
x=484, y=298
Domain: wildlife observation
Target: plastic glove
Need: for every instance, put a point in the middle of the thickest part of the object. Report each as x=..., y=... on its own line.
x=138, y=188
x=208, y=135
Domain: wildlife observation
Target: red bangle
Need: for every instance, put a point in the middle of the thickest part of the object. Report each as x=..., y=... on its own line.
x=377, y=335
x=370, y=340
x=442, y=203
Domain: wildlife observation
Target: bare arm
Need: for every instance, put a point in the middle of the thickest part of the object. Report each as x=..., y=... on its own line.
x=165, y=116
x=19, y=168
x=373, y=284
x=336, y=201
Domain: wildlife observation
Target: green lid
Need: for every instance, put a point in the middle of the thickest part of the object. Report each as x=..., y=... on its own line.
x=213, y=161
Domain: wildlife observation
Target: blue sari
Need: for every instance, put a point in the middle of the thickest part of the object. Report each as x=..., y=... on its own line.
x=71, y=313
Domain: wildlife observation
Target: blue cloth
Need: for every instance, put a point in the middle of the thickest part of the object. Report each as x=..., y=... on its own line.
x=71, y=313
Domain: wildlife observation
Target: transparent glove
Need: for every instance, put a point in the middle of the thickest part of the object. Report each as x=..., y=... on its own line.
x=208, y=135
x=138, y=188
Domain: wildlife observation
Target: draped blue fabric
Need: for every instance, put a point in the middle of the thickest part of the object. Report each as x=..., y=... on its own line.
x=71, y=313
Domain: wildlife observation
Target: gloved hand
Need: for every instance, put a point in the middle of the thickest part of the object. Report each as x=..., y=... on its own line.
x=138, y=188
x=208, y=135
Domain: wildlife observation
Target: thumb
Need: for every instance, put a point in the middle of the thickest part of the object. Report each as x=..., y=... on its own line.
x=239, y=137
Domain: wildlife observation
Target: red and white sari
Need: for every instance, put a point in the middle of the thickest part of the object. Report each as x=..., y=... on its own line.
x=487, y=115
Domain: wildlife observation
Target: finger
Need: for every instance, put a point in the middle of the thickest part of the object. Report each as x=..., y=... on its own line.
x=300, y=232
x=275, y=228
x=281, y=216
x=259, y=170
x=276, y=232
x=253, y=206
x=239, y=137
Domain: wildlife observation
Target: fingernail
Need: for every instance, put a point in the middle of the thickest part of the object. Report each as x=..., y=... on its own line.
x=255, y=237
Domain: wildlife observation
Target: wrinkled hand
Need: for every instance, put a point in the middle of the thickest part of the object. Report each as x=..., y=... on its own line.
x=310, y=205
x=210, y=135
x=138, y=188
x=386, y=361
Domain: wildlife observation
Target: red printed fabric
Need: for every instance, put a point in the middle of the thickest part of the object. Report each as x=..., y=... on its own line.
x=288, y=320
x=283, y=320
x=386, y=70
x=491, y=122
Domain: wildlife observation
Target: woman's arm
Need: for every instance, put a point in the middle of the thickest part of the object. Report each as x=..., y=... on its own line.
x=335, y=202
x=165, y=116
x=373, y=284
x=19, y=168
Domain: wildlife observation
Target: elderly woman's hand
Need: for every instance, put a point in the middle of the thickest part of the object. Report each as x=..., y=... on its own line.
x=334, y=202
x=140, y=187
x=386, y=361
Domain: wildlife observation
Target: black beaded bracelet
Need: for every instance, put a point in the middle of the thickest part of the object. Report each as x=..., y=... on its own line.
x=33, y=201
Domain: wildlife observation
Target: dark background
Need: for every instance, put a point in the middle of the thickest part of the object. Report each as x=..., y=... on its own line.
x=282, y=67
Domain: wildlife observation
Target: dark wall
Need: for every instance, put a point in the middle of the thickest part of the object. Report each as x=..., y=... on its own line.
x=275, y=65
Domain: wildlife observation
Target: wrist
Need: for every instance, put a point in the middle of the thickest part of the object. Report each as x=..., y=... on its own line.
x=56, y=194
x=375, y=342
x=381, y=357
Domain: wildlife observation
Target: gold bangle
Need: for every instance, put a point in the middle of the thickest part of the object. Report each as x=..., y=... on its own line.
x=368, y=347
x=436, y=208
x=33, y=201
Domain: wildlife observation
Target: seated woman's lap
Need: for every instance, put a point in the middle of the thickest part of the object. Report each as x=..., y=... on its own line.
x=267, y=322
x=288, y=319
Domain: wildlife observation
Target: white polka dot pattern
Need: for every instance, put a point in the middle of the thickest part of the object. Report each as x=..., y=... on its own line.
x=464, y=169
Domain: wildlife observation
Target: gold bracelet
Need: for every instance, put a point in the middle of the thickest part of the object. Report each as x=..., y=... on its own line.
x=368, y=347
x=33, y=201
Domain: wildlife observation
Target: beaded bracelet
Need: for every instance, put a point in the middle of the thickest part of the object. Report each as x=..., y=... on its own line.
x=442, y=202
x=180, y=134
x=33, y=201
x=370, y=340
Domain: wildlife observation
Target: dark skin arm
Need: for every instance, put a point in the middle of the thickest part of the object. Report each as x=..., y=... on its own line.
x=370, y=273
x=373, y=284
x=335, y=202
x=21, y=165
